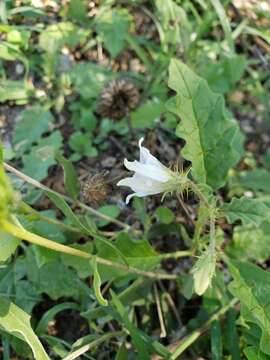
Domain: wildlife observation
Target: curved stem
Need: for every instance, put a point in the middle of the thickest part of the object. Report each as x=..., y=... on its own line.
x=191, y=338
x=37, y=184
x=49, y=244
x=83, y=349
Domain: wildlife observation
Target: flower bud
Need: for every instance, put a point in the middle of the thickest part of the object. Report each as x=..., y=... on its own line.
x=203, y=271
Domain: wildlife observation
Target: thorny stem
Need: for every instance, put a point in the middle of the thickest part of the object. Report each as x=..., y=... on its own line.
x=37, y=184
x=199, y=193
x=49, y=244
x=212, y=234
x=201, y=196
x=191, y=338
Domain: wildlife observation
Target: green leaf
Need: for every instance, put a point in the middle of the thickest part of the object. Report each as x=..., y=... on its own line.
x=89, y=79
x=51, y=313
x=77, y=10
x=147, y=114
x=43, y=227
x=165, y=215
x=42, y=156
x=231, y=334
x=65, y=281
x=251, y=243
x=140, y=210
x=8, y=245
x=175, y=25
x=137, y=253
x=224, y=22
x=213, y=139
x=66, y=210
x=25, y=295
x=253, y=353
x=51, y=40
x=223, y=75
x=251, y=285
x=257, y=180
x=72, y=184
x=32, y=124
x=82, y=266
x=20, y=91
x=10, y=52
x=15, y=288
x=143, y=343
x=81, y=143
x=17, y=323
x=216, y=341
x=97, y=285
x=111, y=210
x=112, y=26
x=249, y=211
x=6, y=197
x=140, y=288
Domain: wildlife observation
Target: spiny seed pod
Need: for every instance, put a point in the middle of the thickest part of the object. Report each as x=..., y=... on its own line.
x=94, y=189
x=118, y=97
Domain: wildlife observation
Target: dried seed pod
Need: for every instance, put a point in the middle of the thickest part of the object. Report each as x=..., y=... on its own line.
x=118, y=97
x=94, y=190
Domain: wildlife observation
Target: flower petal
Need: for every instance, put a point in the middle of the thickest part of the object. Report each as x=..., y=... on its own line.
x=130, y=196
x=143, y=185
x=153, y=172
x=147, y=158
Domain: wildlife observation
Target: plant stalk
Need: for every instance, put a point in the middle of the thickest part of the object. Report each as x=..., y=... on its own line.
x=37, y=184
x=49, y=244
x=191, y=338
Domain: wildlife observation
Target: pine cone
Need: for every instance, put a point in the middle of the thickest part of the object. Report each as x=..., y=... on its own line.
x=94, y=189
x=118, y=97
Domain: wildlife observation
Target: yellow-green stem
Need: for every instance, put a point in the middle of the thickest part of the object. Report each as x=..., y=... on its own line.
x=39, y=240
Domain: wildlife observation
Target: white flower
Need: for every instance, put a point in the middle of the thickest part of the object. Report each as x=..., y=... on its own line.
x=150, y=178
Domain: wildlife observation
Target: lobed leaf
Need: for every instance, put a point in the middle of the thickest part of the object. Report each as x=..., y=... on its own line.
x=251, y=243
x=251, y=285
x=249, y=211
x=213, y=139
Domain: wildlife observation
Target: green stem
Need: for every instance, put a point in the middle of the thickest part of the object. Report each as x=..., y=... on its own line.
x=26, y=208
x=49, y=244
x=191, y=338
x=201, y=222
x=37, y=184
x=175, y=255
x=95, y=343
x=199, y=193
x=212, y=234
